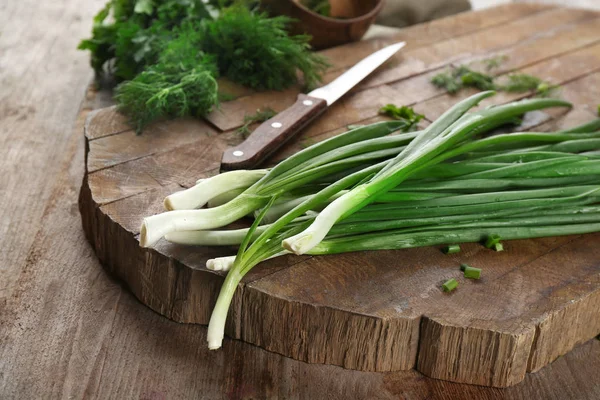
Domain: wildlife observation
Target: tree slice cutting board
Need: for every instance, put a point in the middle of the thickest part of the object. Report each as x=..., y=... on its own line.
x=370, y=311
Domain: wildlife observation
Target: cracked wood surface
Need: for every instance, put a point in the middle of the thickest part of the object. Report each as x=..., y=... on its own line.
x=69, y=331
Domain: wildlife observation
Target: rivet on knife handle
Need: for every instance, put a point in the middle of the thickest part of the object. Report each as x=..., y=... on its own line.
x=272, y=134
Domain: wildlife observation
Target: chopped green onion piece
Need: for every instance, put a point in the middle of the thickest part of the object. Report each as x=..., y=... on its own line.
x=453, y=248
x=450, y=285
x=498, y=247
x=472, y=273
x=492, y=240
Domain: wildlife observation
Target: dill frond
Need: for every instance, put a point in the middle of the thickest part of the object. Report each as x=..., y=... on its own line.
x=446, y=81
x=402, y=113
x=256, y=51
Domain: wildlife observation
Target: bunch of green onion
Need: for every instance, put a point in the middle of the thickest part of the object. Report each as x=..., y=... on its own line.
x=373, y=188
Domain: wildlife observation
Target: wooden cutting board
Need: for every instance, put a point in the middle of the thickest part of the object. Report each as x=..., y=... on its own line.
x=371, y=311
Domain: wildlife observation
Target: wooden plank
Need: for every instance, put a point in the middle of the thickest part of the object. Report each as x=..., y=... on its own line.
x=36, y=116
x=125, y=180
x=182, y=165
x=105, y=122
x=161, y=137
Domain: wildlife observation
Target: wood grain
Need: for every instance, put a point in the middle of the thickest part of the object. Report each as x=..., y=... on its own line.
x=70, y=331
x=377, y=311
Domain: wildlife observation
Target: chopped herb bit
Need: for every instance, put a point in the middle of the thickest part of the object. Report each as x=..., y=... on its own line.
x=498, y=247
x=444, y=80
x=260, y=116
x=452, y=249
x=463, y=76
x=492, y=240
x=522, y=83
x=477, y=80
x=450, y=285
x=472, y=273
x=518, y=83
x=402, y=113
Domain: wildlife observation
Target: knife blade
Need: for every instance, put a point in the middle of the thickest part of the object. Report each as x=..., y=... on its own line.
x=273, y=133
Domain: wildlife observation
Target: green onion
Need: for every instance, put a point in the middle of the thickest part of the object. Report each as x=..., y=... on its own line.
x=368, y=190
x=277, y=181
x=452, y=249
x=471, y=273
x=492, y=241
x=450, y=285
x=393, y=240
x=206, y=190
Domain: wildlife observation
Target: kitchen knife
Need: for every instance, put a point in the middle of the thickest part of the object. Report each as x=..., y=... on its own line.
x=272, y=134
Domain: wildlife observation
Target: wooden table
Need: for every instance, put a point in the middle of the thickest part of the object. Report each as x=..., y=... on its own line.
x=69, y=331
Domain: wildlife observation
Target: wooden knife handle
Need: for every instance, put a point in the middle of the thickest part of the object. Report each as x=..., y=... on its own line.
x=272, y=134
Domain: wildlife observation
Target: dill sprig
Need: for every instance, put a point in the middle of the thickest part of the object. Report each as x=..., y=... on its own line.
x=256, y=51
x=402, y=113
x=524, y=82
x=463, y=76
x=128, y=35
x=181, y=83
x=446, y=80
x=259, y=116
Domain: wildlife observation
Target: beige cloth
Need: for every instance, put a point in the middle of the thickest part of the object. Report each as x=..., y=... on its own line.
x=399, y=13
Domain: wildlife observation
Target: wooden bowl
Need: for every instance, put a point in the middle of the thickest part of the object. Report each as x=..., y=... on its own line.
x=349, y=22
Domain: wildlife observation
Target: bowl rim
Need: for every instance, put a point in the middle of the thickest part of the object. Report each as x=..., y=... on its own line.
x=366, y=16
